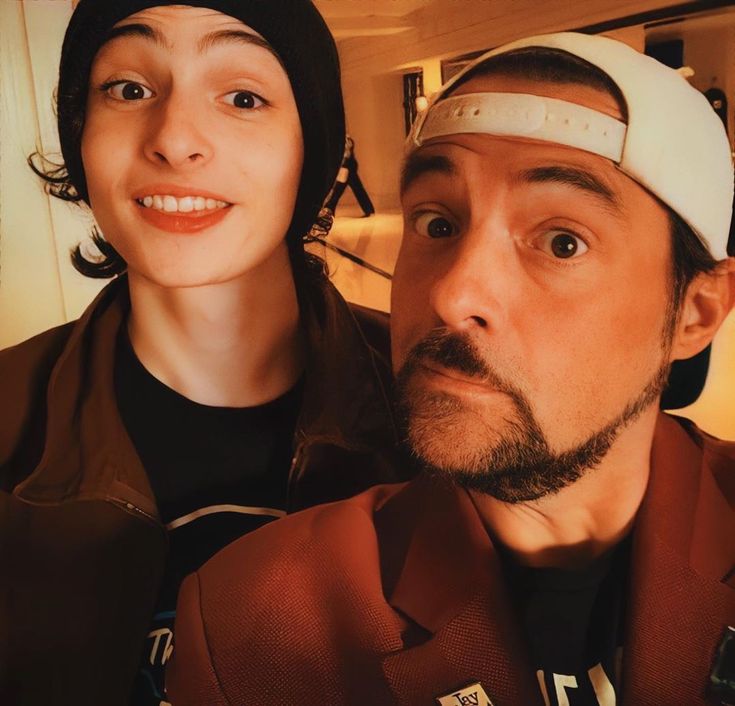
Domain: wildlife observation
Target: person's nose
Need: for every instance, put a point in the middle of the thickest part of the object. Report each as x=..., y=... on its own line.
x=478, y=278
x=177, y=135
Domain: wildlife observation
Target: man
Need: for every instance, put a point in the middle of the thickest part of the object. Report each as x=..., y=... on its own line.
x=567, y=204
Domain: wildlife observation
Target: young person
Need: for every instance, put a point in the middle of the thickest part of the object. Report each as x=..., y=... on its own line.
x=567, y=203
x=219, y=381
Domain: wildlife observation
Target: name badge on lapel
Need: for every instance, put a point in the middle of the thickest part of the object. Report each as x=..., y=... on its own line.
x=472, y=695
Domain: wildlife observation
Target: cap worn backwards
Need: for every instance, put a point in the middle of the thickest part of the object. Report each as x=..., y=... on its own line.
x=673, y=143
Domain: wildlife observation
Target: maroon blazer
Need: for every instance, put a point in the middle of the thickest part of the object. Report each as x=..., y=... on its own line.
x=396, y=596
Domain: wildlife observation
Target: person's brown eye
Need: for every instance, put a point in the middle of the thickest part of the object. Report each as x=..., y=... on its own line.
x=563, y=245
x=246, y=100
x=127, y=91
x=434, y=225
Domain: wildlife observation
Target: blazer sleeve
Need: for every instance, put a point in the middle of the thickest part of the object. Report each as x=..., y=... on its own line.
x=200, y=685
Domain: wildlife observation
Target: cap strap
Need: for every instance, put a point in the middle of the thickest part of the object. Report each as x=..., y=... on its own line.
x=523, y=115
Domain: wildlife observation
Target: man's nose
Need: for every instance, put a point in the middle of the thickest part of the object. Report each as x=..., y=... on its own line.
x=177, y=136
x=473, y=289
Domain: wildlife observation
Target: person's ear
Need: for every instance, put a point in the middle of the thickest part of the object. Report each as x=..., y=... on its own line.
x=708, y=300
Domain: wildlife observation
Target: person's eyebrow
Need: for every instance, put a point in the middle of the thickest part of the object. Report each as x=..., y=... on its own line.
x=225, y=36
x=138, y=29
x=419, y=164
x=577, y=178
x=234, y=36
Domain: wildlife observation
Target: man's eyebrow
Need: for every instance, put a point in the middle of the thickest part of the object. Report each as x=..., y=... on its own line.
x=419, y=164
x=234, y=36
x=577, y=178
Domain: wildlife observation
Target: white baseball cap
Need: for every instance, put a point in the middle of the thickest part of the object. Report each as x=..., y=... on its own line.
x=673, y=143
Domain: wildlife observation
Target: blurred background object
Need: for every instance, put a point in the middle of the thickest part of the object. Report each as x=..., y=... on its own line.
x=348, y=176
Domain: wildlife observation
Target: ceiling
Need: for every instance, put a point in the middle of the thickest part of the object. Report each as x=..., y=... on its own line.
x=368, y=18
x=363, y=18
x=722, y=18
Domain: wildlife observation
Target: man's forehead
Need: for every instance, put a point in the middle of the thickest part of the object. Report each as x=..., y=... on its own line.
x=464, y=147
x=443, y=155
x=469, y=157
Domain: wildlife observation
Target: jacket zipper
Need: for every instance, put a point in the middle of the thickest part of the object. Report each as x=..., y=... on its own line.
x=292, y=475
x=135, y=511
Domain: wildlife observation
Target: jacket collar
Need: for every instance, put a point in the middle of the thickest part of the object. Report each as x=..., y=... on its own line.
x=449, y=581
x=440, y=570
x=683, y=548
x=88, y=453
x=437, y=552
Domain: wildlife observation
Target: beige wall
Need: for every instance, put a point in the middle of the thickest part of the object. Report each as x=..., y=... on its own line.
x=375, y=121
x=38, y=286
x=30, y=289
x=714, y=411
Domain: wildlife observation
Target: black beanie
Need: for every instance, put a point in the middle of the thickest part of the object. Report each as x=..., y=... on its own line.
x=297, y=33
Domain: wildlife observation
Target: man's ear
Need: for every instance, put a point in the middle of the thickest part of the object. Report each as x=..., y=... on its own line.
x=708, y=300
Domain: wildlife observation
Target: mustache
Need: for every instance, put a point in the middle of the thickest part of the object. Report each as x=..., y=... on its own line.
x=456, y=351
x=452, y=351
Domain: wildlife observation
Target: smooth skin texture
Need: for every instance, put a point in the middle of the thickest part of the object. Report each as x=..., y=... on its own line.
x=556, y=268
x=189, y=100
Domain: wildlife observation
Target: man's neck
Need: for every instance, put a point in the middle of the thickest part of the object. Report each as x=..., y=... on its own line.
x=584, y=520
x=231, y=344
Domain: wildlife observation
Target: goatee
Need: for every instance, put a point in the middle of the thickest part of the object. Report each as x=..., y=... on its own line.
x=517, y=464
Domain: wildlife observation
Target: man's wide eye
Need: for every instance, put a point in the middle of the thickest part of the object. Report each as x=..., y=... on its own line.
x=244, y=99
x=434, y=225
x=563, y=245
x=129, y=91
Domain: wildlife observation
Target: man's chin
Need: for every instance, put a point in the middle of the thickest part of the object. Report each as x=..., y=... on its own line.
x=514, y=465
x=506, y=486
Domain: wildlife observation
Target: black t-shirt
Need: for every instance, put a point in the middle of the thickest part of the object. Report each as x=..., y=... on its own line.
x=573, y=623
x=216, y=473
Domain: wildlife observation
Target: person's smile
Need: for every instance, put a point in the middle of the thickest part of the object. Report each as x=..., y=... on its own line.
x=180, y=209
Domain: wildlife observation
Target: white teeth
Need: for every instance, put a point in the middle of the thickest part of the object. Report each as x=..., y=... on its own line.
x=187, y=204
x=170, y=205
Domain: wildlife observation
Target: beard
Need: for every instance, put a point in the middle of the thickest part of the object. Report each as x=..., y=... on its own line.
x=513, y=462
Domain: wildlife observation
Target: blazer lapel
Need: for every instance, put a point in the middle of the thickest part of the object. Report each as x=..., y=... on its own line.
x=683, y=548
x=450, y=583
